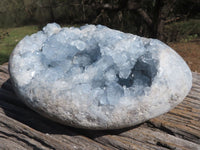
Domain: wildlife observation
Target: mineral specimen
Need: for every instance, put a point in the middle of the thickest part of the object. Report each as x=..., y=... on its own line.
x=97, y=78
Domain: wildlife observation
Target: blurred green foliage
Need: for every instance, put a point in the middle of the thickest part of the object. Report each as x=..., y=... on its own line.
x=183, y=31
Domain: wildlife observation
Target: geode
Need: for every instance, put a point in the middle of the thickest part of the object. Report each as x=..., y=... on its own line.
x=97, y=78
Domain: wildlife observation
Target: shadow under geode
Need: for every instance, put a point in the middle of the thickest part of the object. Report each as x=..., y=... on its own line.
x=17, y=110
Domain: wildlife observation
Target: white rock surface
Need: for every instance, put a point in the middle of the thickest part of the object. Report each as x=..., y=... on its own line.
x=97, y=78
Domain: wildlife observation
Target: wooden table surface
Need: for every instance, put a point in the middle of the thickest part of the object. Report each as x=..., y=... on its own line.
x=21, y=128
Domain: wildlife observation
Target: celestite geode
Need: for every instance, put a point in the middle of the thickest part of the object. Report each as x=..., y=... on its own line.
x=97, y=78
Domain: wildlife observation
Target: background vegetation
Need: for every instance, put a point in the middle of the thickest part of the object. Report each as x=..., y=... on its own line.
x=151, y=18
x=167, y=20
x=9, y=37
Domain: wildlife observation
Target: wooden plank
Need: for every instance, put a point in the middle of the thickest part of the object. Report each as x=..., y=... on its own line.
x=22, y=128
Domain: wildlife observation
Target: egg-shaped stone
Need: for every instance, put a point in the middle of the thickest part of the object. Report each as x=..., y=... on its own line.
x=95, y=77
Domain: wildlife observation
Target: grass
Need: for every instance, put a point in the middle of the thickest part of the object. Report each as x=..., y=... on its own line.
x=10, y=37
x=183, y=31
